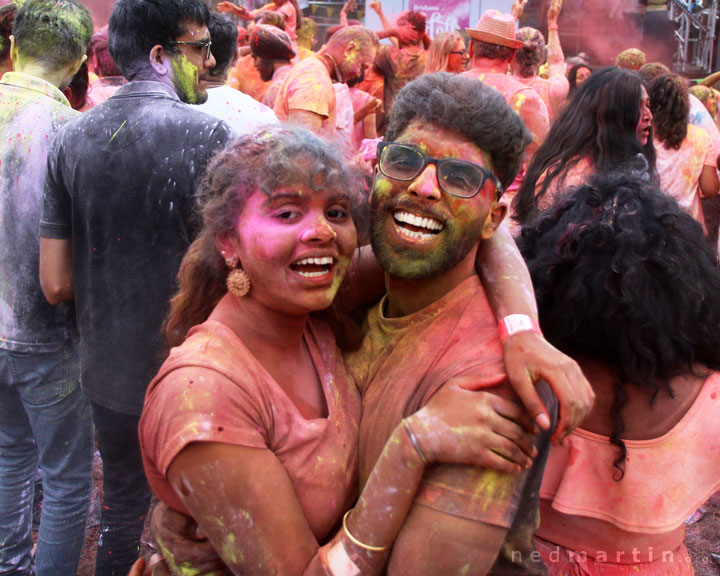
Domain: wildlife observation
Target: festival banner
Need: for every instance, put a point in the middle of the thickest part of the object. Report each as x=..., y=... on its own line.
x=443, y=15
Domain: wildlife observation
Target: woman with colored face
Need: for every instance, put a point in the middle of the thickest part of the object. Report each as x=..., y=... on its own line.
x=577, y=75
x=606, y=126
x=251, y=425
x=686, y=157
x=448, y=53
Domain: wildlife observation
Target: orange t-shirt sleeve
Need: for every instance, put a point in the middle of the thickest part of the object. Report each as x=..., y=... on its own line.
x=312, y=92
x=200, y=405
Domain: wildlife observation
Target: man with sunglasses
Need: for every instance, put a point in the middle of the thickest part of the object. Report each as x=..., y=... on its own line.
x=117, y=220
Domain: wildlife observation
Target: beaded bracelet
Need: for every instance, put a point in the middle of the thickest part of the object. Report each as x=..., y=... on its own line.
x=356, y=541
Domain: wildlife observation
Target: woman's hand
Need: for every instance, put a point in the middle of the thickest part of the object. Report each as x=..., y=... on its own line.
x=183, y=544
x=554, y=12
x=528, y=358
x=460, y=426
x=376, y=6
x=518, y=7
x=239, y=11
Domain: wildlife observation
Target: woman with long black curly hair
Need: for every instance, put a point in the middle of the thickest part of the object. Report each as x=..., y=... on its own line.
x=626, y=285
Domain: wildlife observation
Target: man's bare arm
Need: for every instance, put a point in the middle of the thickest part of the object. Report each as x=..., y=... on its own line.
x=528, y=356
x=56, y=270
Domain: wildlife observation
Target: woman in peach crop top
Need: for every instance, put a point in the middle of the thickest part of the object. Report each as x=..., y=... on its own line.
x=627, y=286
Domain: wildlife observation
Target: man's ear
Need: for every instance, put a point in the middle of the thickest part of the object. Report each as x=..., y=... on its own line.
x=76, y=65
x=495, y=216
x=158, y=60
x=351, y=47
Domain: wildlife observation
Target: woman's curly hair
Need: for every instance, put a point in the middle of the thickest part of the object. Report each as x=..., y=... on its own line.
x=670, y=106
x=623, y=276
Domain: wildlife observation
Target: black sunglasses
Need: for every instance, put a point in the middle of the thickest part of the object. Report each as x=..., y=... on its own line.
x=202, y=43
x=455, y=177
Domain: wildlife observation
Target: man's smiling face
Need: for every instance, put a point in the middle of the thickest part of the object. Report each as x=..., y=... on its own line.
x=419, y=231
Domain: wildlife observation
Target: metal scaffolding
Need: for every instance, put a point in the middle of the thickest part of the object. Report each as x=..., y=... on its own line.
x=694, y=34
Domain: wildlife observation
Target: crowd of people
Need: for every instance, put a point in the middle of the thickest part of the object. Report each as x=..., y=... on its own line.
x=388, y=305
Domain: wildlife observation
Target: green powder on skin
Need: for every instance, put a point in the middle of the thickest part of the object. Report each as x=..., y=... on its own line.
x=186, y=75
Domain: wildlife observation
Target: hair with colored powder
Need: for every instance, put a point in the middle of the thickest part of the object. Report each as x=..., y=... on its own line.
x=702, y=93
x=670, y=106
x=623, y=276
x=532, y=54
x=632, y=59
x=470, y=108
x=416, y=19
x=365, y=37
x=54, y=33
x=307, y=35
x=7, y=17
x=138, y=25
x=440, y=49
x=296, y=155
x=600, y=124
x=99, y=54
x=650, y=71
x=224, y=35
x=480, y=49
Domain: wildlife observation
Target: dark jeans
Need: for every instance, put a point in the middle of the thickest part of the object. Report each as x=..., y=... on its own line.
x=44, y=421
x=126, y=492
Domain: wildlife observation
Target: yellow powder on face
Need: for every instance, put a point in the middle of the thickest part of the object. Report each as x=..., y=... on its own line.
x=186, y=78
x=382, y=187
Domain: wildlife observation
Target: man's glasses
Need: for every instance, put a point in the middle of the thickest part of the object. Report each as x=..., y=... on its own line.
x=207, y=44
x=455, y=177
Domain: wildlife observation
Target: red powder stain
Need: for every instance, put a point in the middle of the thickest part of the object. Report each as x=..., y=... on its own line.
x=573, y=456
x=713, y=395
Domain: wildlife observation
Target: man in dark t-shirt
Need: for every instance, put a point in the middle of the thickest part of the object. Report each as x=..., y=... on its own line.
x=117, y=220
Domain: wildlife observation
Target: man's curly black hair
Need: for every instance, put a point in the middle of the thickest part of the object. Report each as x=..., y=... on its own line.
x=469, y=107
x=623, y=276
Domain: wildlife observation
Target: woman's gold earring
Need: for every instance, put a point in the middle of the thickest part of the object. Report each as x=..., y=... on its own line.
x=238, y=282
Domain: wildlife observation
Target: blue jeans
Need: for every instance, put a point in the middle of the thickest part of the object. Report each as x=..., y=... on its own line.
x=126, y=493
x=46, y=422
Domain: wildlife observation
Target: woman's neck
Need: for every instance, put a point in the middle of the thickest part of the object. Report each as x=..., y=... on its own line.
x=261, y=329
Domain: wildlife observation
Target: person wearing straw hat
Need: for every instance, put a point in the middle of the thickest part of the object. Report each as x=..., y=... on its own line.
x=492, y=47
